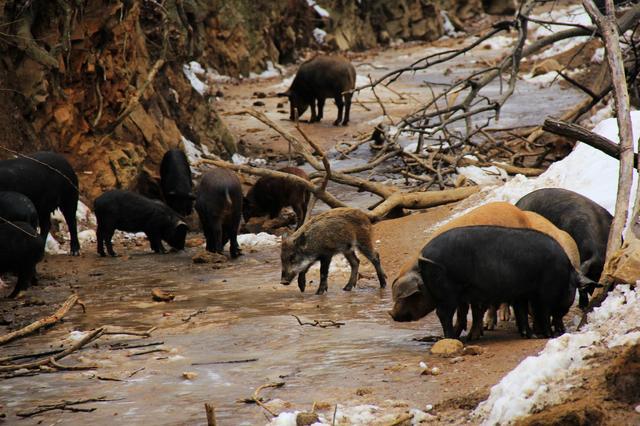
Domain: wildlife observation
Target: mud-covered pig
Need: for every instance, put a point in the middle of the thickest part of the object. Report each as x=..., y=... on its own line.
x=131, y=212
x=320, y=78
x=49, y=181
x=341, y=230
x=21, y=248
x=16, y=207
x=270, y=194
x=586, y=221
x=484, y=265
x=219, y=207
x=175, y=181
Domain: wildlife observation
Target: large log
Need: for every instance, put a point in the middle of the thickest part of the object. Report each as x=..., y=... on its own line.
x=422, y=200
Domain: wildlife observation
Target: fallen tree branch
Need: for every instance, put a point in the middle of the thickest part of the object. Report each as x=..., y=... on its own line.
x=65, y=405
x=256, y=399
x=44, y=322
x=422, y=200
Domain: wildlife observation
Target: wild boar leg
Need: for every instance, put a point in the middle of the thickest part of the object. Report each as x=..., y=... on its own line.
x=156, y=244
x=354, y=263
x=320, y=108
x=218, y=238
x=445, y=314
x=302, y=279
x=521, y=310
x=491, y=318
x=340, y=105
x=234, y=247
x=477, y=312
x=325, y=261
x=69, y=213
x=101, y=238
x=107, y=237
x=367, y=250
x=23, y=283
x=314, y=116
x=347, y=108
x=300, y=211
x=461, y=319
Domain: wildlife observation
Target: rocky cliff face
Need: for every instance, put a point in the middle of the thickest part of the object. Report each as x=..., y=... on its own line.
x=102, y=80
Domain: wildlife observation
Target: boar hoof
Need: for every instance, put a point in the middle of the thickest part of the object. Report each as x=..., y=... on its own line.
x=336, y=123
x=321, y=290
x=347, y=287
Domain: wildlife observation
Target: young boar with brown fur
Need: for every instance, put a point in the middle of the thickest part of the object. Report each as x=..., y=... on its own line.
x=270, y=194
x=341, y=230
x=318, y=79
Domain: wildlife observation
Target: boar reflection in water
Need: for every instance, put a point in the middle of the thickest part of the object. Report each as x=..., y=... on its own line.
x=341, y=230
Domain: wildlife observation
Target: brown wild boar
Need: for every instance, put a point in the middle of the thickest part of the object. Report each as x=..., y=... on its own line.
x=320, y=78
x=341, y=230
x=270, y=194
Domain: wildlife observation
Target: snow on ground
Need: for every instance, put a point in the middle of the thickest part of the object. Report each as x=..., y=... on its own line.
x=191, y=71
x=194, y=154
x=547, y=378
x=262, y=239
x=271, y=71
x=572, y=15
x=319, y=9
x=319, y=34
x=358, y=415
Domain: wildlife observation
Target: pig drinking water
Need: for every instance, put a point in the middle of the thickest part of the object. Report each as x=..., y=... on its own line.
x=175, y=181
x=21, y=248
x=484, y=265
x=586, y=222
x=49, y=181
x=341, y=230
x=318, y=79
x=270, y=194
x=131, y=212
x=219, y=206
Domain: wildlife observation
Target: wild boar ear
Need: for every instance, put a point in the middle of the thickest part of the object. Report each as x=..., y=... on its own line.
x=422, y=259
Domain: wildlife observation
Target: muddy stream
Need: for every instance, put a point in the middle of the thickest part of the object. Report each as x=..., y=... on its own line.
x=234, y=327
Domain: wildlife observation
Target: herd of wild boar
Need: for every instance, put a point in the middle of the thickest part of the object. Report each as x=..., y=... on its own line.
x=532, y=256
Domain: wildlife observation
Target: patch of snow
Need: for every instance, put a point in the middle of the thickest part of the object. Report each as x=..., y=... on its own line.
x=194, y=153
x=191, y=71
x=319, y=34
x=545, y=379
x=319, y=9
x=241, y=159
x=483, y=176
x=261, y=239
x=572, y=15
x=339, y=264
x=498, y=43
x=362, y=80
x=76, y=336
x=87, y=236
x=420, y=417
x=52, y=246
x=598, y=55
x=270, y=72
x=447, y=26
x=542, y=78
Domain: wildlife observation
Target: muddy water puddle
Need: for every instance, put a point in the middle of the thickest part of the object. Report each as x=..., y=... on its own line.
x=240, y=333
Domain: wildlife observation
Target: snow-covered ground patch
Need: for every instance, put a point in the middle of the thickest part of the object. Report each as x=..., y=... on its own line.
x=546, y=379
x=261, y=239
x=498, y=43
x=357, y=415
x=319, y=9
x=241, y=159
x=483, y=176
x=192, y=70
x=271, y=71
x=194, y=153
x=319, y=34
x=572, y=15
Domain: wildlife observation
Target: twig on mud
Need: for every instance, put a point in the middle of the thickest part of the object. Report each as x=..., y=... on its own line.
x=235, y=361
x=111, y=331
x=193, y=314
x=320, y=323
x=121, y=346
x=150, y=351
x=43, y=322
x=59, y=366
x=35, y=364
x=333, y=419
x=65, y=405
x=255, y=399
x=33, y=355
x=134, y=372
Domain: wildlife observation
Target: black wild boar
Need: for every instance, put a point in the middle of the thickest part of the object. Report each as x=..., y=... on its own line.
x=175, y=181
x=21, y=248
x=16, y=207
x=131, y=212
x=489, y=265
x=270, y=194
x=50, y=183
x=318, y=79
x=219, y=206
x=587, y=223
x=341, y=230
